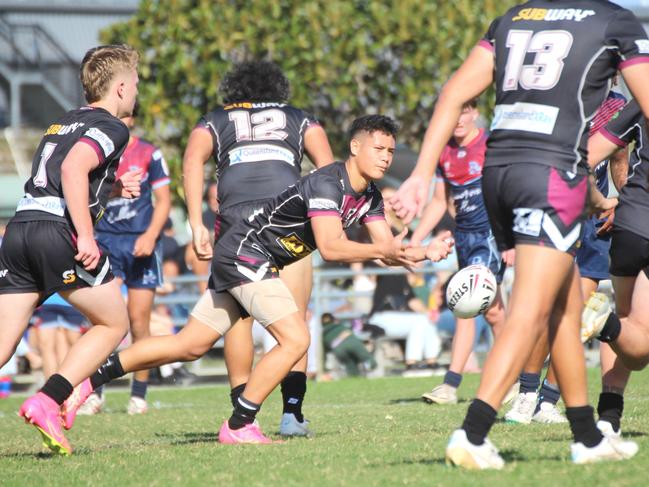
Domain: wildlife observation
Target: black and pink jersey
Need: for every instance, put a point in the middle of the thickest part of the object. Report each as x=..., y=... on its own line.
x=553, y=66
x=632, y=212
x=107, y=136
x=258, y=149
x=280, y=232
x=133, y=215
x=461, y=169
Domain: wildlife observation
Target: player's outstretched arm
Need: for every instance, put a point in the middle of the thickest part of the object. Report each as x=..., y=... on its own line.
x=470, y=80
x=316, y=145
x=329, y=237
x=433, y=213
x=600, y=148
x=75, y=168
x=145, y=243
x=198, y=151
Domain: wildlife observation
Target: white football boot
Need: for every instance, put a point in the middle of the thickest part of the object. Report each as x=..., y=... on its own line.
x=290, y=426
x=523, y=408
x=93, y=405
x=442, y=394
x=462, y=453
x=549, y=413
x=136, y=405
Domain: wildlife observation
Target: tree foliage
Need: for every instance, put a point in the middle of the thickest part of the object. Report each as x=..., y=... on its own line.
x=344, y=58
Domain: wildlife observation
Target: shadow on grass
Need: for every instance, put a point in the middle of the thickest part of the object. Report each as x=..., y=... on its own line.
x=509, y=456
x=408, y=400
x=41, y=455
x=189, y=438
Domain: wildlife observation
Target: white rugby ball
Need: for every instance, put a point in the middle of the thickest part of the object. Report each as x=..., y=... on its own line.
x=471, y=291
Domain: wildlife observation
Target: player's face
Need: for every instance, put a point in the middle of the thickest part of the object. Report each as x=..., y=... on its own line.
x=374, y=153
x=466, y=123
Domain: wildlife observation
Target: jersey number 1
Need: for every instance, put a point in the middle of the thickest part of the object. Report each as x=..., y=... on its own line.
x=40, y=180
x=264, y=125
x=551, y=47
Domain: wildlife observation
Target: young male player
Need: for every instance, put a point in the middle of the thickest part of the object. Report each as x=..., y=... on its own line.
x=552, y=63
x=310, y=214
x=129, y=234
x=49, y=244
x=257, y=141
x=460, y=167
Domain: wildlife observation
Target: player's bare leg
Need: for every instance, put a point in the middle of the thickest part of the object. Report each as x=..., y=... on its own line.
x=104, y=307
x=15, y=312
x=140, y=304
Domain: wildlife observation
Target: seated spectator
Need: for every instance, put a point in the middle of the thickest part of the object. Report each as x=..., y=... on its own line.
x=346, y=347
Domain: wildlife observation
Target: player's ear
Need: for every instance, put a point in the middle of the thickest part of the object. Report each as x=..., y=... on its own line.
x=354, y=147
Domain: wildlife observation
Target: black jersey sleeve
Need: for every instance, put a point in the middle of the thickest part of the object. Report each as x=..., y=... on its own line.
x=624, y=128
x=489, y=39
x=311, y=120
x=626, y=33
x=323, y=196
x=107, y=136
x=377, y=208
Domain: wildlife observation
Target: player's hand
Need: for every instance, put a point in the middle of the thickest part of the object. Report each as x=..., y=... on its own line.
x=395, y=252
x=410, y=198
x=509, y=257
x=607, y=226
x=88, y=253
x=129, y=184
x=439, y=248
x=202, y=242
x=144, y=245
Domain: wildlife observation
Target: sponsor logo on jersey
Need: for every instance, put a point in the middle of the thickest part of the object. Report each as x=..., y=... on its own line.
x=49, y=204
x=322, y=204
x=69, y=276
x=105, y=142
x=550, y=14
x=4, y=272
x=249, y=105
x=260, y=153
x=528, y=221
x=643, y=46
x=294, y=245
x=529, y=117
x=58, y=129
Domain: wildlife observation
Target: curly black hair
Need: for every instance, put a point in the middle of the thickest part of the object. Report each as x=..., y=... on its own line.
x=372, y=123
x=257, y=81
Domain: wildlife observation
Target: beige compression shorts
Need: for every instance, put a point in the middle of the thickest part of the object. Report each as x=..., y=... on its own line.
x=266, y=301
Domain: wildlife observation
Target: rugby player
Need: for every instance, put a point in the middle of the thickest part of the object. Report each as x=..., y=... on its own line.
x=593, y=263
x=246, y=259
x=552, y=64
x=129, y=233
x=257, y=141
x=626, y=331
x=460, y=169
x=49, y=244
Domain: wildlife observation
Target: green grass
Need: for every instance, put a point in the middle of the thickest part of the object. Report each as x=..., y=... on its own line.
x=369, y=432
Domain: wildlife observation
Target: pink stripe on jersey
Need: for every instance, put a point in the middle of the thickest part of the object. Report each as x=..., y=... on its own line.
x=617, y=141
x=160, y=182
x=486, y=44
x=95, y=146
x=312, y=213
x=635, y=60
x=373, y=218
x=568, y=202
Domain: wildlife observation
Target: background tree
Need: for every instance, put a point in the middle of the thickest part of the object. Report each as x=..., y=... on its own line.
x=344, y=58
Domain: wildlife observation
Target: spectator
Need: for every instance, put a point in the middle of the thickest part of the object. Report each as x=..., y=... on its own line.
x=347, y=347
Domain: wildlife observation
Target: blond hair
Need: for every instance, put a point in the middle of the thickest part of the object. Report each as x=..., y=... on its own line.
x=101, y=64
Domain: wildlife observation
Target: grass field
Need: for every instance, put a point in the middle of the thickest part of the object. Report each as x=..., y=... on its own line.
x=369, y=432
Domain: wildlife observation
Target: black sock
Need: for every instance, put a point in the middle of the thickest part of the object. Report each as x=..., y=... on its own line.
x=58, y=388
x=138, y=389
x=478, y=421
x=109, y=370
x=293, y=391
x=611, y=330
x=244, y=413
x=235, y=392
x=582, y=425
x=610, y=408
x=452, y=379
x=529, y=382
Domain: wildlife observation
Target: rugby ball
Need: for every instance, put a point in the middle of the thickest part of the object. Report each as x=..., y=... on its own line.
x=471, y=291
